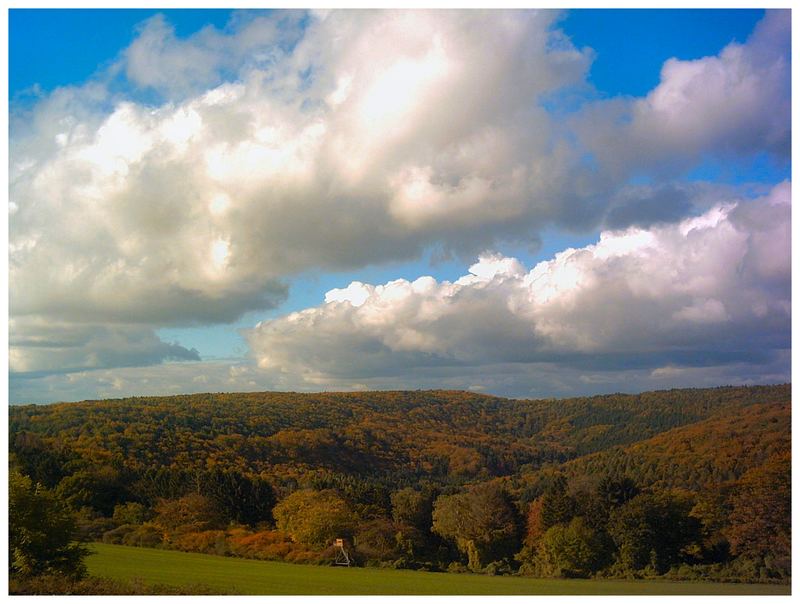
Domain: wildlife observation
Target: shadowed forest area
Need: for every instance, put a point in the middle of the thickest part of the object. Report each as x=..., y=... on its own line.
x=683, y=484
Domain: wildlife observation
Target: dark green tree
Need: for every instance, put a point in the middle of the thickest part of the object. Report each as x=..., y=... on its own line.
x=557, y=506
x=595, y=505
x=483, y=522
x=654, y=530
x=245, y=499
x=377, y=539
x=616, y=492
x=412, y=507
x=574, y=550
x=44, y=463
x=40, y=532
x=712, y=512
x=99, y=488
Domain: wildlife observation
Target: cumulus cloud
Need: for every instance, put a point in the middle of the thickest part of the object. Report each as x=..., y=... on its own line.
x=735, y=103
x=712, y=290
x=335, y=140
x=159, y=60
x=424, y=126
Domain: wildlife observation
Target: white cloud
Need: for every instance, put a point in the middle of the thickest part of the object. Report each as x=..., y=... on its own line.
x=699, y=292
x=341, y=139
x=355, y=294
x=159, y=60
x=122, y=204
x=737, y=102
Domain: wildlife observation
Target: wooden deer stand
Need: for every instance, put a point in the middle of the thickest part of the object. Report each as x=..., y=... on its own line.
x=342, y=559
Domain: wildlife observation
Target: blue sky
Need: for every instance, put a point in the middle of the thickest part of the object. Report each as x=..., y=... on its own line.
x=632, y=45
x=60, y=47
x=51, y=47
x=88, y=70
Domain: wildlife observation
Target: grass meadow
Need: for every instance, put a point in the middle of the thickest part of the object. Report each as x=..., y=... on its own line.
x=256, y=577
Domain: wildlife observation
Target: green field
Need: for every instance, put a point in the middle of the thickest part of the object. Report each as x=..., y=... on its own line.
x=254, y=577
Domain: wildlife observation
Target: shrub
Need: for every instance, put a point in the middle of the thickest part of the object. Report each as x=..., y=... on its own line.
x=131, y=513
x=203, y=542
x=498, y=567
x=91, y=525
x=378, y=540
x=265, y=545
x=190, y=514
x=145, y=535
x=116, y=535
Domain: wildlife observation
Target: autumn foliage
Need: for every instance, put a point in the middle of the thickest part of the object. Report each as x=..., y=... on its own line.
x=680, y=483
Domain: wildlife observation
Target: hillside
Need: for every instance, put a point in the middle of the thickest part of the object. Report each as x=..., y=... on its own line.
x=406, y=435
x=430, y=479
x=695, y=457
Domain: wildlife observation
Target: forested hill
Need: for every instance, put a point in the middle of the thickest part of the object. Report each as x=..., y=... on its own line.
x=691, y=481
x=446, y=435
x=698, y=456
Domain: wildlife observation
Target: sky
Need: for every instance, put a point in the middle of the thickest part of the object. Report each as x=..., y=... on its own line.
x=522, y=203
